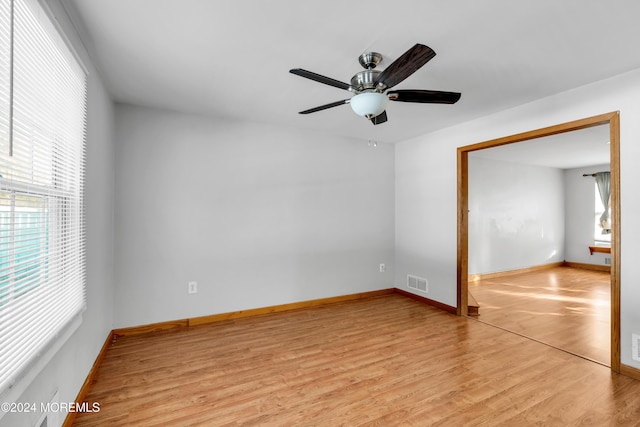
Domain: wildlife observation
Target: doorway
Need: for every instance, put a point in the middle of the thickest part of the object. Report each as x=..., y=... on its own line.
x=610, y=119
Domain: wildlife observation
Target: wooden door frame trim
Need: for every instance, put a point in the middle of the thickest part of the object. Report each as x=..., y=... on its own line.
x=613, y=120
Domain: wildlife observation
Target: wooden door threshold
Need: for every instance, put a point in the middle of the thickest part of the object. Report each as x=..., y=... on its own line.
x=473, y=308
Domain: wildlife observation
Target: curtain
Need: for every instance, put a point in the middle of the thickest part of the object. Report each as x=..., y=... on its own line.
x=603, y=180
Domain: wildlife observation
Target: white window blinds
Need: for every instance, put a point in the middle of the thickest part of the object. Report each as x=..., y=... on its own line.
x=42, y=235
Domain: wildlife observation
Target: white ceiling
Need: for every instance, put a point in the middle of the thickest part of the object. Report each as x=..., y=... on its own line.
x=578, y=148
x=230, y=58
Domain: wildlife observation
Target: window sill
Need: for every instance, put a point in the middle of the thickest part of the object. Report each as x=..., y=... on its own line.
x=602, y=249
x=29, y=372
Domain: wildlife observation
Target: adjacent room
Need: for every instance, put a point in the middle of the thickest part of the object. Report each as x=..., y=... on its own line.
x=539, y=246
x=278, y=213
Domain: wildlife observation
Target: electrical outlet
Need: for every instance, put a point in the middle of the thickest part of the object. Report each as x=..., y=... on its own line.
x=383, y=268
x=192, y=287
x=635, y=347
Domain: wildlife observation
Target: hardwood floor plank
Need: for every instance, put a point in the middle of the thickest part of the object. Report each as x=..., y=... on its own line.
x=565, y=307
x=386, y=361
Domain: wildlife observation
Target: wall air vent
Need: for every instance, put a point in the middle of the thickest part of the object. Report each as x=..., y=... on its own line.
x=50, y=416
x=417, y=283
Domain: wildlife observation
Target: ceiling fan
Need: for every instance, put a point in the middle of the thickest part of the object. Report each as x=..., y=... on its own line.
x=369, y=86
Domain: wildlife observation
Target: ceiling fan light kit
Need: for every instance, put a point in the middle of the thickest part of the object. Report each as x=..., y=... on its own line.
x=369, y=104
x=369, y=86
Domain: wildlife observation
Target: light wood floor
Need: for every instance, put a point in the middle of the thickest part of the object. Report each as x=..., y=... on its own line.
x=387, y=361
x=569, y=308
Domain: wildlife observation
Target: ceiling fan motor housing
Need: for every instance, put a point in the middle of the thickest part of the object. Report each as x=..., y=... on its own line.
x=365, y=80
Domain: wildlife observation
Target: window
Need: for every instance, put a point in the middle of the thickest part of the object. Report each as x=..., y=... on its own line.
x=42, y=237
x=598, y=237
x=23, y=244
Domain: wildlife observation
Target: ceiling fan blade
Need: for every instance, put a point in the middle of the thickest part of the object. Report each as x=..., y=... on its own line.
x=319, y=78
x=424, y=96
x=407, y=64
x=324, y=107
x=380, y=118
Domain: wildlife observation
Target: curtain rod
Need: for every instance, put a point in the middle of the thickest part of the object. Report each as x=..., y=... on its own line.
x=593, y=174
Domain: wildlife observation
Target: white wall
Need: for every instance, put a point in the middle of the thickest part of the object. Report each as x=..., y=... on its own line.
x=257, y=215
x=516, y=215
x=426, y=188
x=579, y=205
x=69, y=368
x=425, y=219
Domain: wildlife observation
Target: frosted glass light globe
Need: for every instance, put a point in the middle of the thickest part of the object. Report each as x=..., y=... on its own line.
x=369, y=104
